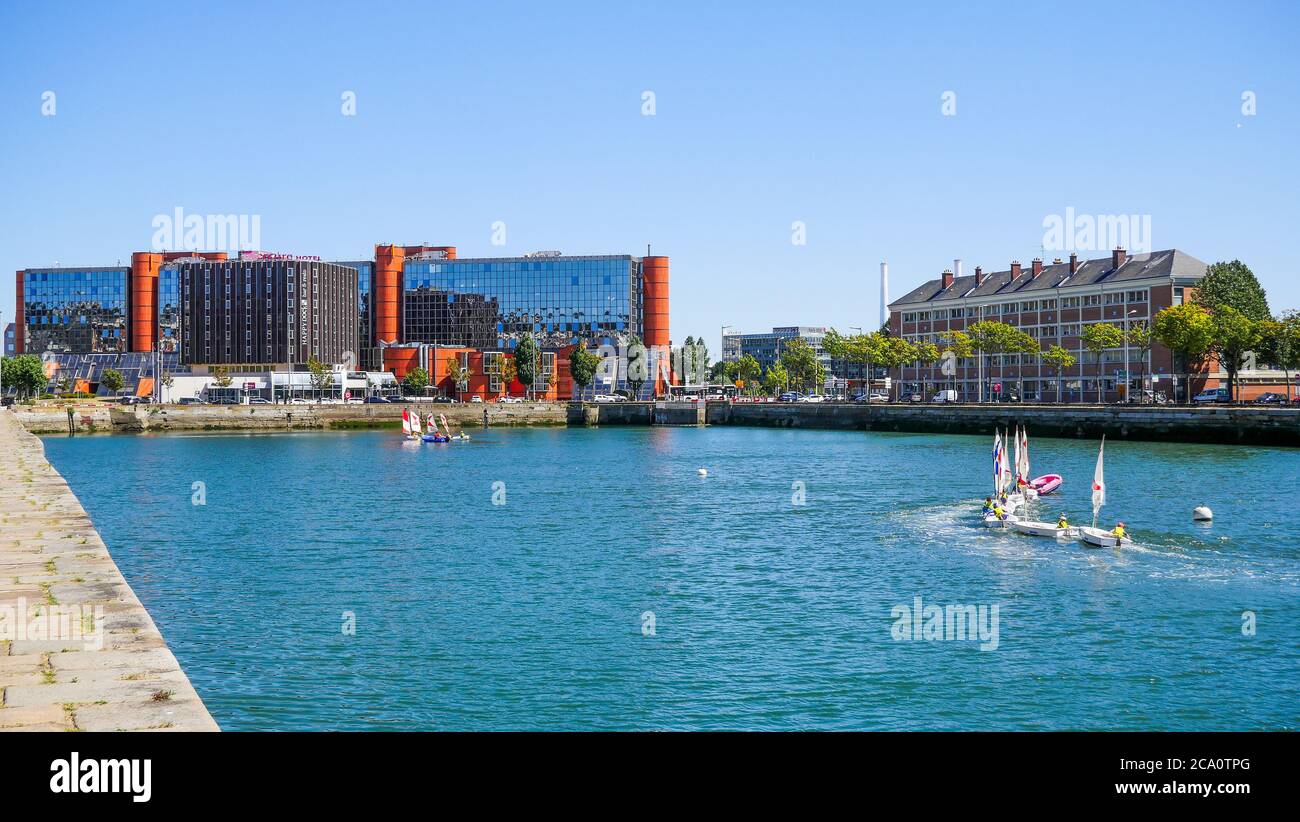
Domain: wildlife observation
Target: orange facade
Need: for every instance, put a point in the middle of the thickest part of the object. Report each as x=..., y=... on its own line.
x=143, y=288
x=20, y=333
x=386, y=291
x=439, y=363
x=655, y=301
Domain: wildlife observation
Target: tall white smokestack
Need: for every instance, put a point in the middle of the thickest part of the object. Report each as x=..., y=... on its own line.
x=956, y=268
x=884, y=293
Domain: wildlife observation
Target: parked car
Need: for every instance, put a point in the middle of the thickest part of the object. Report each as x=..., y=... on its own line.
x=1149, y=397
x=1008, y=396
x=1211, y=395
x=258, y=401
x=812, y=398
x=510, y=400
x=789, y=396
x=945, y=395
x=1270, y=398
x=912, y=396
x=189, y=401
x=476, y=398
x=441, y=400
x=376, y=399
x=606, y=398
x=878, y=396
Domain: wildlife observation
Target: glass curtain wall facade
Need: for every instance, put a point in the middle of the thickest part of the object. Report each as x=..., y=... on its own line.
x=494, y=303
x=368, y=355
x=69, y=310
x=169, y=309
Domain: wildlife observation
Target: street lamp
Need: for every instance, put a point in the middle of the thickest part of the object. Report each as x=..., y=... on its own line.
x=1128, y=383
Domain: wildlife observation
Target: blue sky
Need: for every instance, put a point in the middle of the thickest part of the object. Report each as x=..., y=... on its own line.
x=531, y=114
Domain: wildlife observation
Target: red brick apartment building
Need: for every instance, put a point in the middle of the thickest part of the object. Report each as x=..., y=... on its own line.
x=1053, y=303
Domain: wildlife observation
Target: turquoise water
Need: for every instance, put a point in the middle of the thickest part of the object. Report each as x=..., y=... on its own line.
x=766, y=614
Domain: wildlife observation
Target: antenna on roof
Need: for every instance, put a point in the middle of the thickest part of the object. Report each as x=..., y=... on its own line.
x=647, y=249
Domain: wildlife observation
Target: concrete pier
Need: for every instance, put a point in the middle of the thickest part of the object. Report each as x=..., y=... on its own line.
x=1235, y=425
x=78, y=652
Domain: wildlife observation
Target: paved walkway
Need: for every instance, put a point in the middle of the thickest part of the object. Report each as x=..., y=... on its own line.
x=78, y=652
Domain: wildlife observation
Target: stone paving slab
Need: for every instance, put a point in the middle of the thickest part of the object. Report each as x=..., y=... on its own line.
x=89, y=657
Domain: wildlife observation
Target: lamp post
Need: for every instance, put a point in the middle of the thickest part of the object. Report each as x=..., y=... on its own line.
x=1128, y=383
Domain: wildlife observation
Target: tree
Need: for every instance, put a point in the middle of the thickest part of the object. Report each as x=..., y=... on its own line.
x=25, y=373
x=1281, y=344
x=959, y=343
x=1235, y=336
x=221, y=376
x=63, y=383
x=457, y=373
x=1187, y=331
x=1233, y=284
x=526, y=355
x=1096, y=339
x=112, y=380
x=582, y=366
x=166, y=381
x=990, y=337
x=322, y=376
x=800, y=361
x=638, y=364
x=924, y=354
x=776, y=379
x=746, y=373
x=1058, y=359
x=509, y=373
x=1141, y=337
x=415, y=381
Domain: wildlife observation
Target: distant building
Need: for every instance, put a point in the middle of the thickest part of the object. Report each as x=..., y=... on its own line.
x=1053, y=303
x=766, y=347
x=258, y=311
x=10, y=333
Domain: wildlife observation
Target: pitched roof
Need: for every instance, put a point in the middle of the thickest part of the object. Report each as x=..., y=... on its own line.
x=1168, y=264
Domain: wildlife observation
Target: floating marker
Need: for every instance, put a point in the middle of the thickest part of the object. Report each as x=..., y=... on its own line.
x=703, y=472
x=1202, y=513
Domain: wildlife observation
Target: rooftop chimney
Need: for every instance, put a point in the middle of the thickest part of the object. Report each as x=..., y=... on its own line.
x=1015, y=269
x=1057, y=261
x=1117, y=257
x=947, y=278
x=1037, y=266
x=1074, y=262
x=956, y=268
x=884, y=293
x=979, y=276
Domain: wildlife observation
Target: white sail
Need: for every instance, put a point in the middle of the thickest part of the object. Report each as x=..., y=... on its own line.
x=415, y=423
x=997, y=462
x=406, y=421
x=1015, y=484
x=1022, y=464
x=1006, y=467
x=433, y=424
x=1098, y=483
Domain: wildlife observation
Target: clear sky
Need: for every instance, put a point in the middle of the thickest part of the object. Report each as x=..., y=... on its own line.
x=765, y=114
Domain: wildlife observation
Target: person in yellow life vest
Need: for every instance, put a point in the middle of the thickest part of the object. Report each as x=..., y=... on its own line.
x=998, y=512
x=1118, y=533
x=1062, y=522
x=988, y=505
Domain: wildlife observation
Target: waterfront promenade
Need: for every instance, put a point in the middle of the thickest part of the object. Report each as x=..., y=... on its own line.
x=78, y=652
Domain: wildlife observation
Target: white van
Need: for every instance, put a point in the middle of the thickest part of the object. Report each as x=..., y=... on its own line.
x=946, y=395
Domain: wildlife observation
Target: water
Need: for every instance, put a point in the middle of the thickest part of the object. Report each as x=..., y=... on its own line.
x=766, y=615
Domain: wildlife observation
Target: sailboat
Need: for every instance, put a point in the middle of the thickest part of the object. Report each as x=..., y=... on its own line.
x=447, y=428
x=1001, y=473
x=1033, y=528
x=1096, y=536
x=434, y=434
x=406, y=423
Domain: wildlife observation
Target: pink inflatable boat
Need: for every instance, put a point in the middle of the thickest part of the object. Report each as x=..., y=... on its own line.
x=1046, y=484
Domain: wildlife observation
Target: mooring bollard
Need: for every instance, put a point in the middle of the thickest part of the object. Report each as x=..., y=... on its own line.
x=72, y=423
x=485, y=418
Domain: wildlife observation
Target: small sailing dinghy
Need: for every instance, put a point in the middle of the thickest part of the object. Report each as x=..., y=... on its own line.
x=445, y=427
x=1045, y=529
x=1094, y=536
x=434, y=434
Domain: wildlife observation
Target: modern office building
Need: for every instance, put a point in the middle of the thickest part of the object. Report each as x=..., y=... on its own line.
x=1053, y=303
x=10, y=337
x=267, y=309
x=407, y=301
x=767, y=347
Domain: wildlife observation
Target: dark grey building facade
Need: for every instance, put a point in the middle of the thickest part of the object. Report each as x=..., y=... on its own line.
x=268, y=312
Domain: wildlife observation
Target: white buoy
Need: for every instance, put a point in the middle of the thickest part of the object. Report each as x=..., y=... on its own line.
x=703, y=472
x=1202, y=513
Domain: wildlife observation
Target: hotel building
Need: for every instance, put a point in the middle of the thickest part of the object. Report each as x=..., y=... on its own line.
x=1053, y=303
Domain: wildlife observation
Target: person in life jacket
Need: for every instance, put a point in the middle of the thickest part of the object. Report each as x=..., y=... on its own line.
x=1118, y=533
x=988, y=505
x=1062, y=522
x=998, y=512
